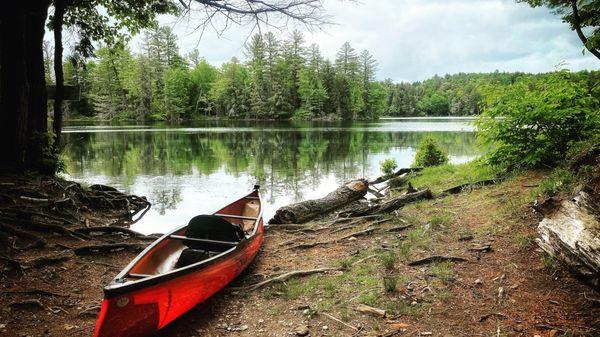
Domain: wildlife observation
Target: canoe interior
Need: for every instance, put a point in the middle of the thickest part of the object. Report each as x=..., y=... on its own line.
x=163, y=256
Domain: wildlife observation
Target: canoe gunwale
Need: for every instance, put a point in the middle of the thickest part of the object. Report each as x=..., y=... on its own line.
x=116, y=288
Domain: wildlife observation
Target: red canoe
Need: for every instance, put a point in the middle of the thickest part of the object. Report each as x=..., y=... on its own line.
x=182, y=269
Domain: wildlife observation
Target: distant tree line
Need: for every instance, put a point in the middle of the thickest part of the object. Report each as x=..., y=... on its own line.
x=280, y=79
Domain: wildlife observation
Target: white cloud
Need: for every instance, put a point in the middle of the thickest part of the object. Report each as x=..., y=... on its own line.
x=415, y=39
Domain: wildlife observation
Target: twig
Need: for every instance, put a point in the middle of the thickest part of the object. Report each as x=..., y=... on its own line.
x=283, y=277
x=363, y=259
x=339, y=321
x=436, y=259
x=355, y=234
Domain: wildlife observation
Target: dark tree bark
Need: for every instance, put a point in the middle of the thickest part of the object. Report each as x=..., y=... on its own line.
x=59, y=12
x=577, y=26
x=23, y=96
x=306, y=210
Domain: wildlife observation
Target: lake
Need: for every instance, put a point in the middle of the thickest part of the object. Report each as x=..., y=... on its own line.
x=198, y=167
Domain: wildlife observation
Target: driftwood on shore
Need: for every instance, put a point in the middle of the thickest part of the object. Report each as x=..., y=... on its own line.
x=570, y=232
x=390, y=205
x=307, y=210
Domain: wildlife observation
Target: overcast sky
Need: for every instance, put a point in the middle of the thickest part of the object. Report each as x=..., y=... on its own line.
x=416, y=39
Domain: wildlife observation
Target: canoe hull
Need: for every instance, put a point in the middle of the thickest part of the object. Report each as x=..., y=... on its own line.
x=142, y=312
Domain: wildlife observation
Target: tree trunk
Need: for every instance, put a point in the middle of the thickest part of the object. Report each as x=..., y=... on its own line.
x=306, y=210
x=580, y=34
x=23, y=117
x=59, y=11
x=570, y=233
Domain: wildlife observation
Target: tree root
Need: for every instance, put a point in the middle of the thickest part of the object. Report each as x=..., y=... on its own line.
x=107, y=247
x=44, y=261
x=283, y=277
x=108, y=230
x=39, y=292
x=468, y=186
x=38, y=241
x=437, y=259
x=318, y=243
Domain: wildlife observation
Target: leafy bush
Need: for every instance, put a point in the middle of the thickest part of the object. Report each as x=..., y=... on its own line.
x=430, y=154
x=532, y=122
x=388, y=166
x=560, y=180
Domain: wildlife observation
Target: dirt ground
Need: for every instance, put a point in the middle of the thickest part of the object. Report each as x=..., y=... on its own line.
x=506, y=286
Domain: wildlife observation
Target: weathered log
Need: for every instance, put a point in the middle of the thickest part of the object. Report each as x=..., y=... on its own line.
x=571, y=234
x=391, y=205
x=395, y=174
x=307, y=210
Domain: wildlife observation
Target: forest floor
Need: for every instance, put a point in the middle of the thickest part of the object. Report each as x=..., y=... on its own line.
x=506, y=286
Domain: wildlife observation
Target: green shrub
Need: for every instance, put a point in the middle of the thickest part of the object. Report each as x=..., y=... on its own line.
x=388, y=166
x=532, y=122
x=560, y=180
x=430, y=154
x=388, y=260
x=390, y=283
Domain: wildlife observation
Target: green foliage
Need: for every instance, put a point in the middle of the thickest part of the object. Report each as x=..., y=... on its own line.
x=388, y=260
x=445, y=176
x=430, y=154
x=390, y=283
x=532, y=122
x=560, y=180
x=279, y=79
x=440, y=221
x=388, y=166
x=451, y=95
x=523, y=241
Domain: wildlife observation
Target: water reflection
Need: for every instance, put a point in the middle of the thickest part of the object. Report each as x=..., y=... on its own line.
x=197, y=168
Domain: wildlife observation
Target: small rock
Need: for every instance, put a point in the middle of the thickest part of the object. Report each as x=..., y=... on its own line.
x=242, y=327
x=352, y=238
x=70, y=327
x=478, y=281
x=518, y=328
x=302, y=330
x=2, y=326
x=306, y=312
x=260, y=321
x=426, y=333
x=325, y=327
x=414, y=303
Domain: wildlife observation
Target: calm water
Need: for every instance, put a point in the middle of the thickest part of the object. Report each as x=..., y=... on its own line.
x=197, y=168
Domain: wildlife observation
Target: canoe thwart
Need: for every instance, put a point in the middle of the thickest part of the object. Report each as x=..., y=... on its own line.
x=216, y=242
x=236, y=216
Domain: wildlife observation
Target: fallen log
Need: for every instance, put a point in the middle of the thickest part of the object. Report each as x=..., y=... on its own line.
x=571, y=234
x=390, y=205
x=307, y=210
